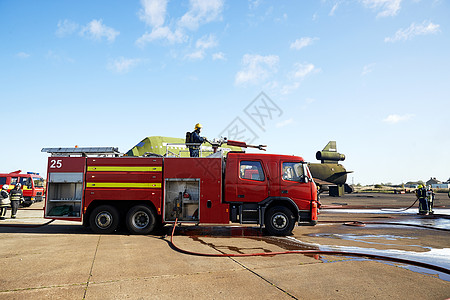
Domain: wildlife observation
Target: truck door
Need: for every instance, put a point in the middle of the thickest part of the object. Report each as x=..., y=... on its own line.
x=294, y=185
x=252, y=182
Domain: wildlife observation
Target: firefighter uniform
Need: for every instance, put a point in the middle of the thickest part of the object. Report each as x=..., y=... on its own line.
x=4, y=202
x=15, y=195
x=421, y=194
x=430, y=197
x=196, y=138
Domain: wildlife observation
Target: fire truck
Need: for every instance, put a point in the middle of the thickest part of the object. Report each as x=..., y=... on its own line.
x=32, y=185
x=105, y=190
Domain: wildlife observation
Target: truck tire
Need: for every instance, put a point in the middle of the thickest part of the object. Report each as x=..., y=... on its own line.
x=141, y=219
x=279, y=220
x=104, y=219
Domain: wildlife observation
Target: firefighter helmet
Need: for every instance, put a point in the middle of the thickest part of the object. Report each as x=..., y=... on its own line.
x=5, y=186
x=18, y=185
x=197, y=126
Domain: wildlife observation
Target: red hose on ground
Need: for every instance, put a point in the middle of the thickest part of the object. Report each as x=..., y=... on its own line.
x=373, y=256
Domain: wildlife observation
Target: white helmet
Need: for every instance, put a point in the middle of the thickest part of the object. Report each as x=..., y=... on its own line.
x=5, y=186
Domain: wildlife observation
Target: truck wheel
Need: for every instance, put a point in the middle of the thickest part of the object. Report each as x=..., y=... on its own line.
x=279, y=220
x=104, y=219
x=141, y=219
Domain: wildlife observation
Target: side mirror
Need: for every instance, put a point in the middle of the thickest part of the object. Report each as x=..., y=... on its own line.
x=304, y=179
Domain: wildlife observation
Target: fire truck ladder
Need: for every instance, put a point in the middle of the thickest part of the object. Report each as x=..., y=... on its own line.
x=83, y=151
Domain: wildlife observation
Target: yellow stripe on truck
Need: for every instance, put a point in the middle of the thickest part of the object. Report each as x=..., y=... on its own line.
x=124, y=169
x=141, y=185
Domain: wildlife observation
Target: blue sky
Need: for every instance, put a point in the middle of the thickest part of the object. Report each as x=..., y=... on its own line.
x=371, y=74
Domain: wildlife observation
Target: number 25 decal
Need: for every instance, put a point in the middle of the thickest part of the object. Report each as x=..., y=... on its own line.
x=56, y=163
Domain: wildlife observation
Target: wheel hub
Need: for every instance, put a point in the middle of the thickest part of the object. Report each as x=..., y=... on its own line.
x=104, y=220
x=140, y=220
x=279, y=221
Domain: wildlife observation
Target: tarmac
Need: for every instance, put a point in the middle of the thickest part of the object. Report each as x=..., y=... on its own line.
x=64, y=260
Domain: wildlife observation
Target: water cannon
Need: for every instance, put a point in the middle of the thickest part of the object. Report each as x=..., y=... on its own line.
x=245, y=145
x=217, y=143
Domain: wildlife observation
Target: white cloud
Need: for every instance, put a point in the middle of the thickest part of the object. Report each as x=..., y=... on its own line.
x=123, y=65
x=389, y=8
x=310, y=100
x=153, y=12
x=297, y=75
x=394, y=119
x=201, y=12
x=162, y=33
x=58, y=58
x=256, y=68
x=284, y=123
x=302, y=70
x=218, y=56
x=412, y=31
x=203, y=43
x=22, y=55
x=367, y=69
x=254, y=4
x=97, y=30
x=303, y=42
x=333, y=10
x=206, y=42
x=66, y=28
x=196, y=55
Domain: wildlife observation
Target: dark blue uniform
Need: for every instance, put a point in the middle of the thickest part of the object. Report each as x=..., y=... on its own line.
x=195, y=138
x=15, y=195
x=423, y=202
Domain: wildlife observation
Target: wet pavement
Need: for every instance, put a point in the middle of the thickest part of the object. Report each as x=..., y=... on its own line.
x=66, y=261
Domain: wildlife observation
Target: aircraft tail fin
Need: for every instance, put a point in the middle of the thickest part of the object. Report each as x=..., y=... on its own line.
x=331, y=147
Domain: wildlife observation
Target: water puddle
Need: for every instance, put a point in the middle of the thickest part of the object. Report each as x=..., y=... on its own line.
x=368, y=239
x=413, y=211
x=438, y=257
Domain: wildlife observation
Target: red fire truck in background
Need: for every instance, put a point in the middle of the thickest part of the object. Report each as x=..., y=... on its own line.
x=104, y=189
x=32, y=185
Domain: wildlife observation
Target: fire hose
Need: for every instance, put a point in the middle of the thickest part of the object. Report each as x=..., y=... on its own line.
x=26, y=225
x=403, y=209
x=323, y=252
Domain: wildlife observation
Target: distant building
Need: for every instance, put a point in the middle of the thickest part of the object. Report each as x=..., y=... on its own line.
x=440, y=186
x=432, y=181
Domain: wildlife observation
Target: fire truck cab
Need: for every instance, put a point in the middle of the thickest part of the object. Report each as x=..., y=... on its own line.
x=32, y=185
x=105, y=190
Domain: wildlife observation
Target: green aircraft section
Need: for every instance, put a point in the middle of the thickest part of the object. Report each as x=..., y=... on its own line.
x=170, y=146
x=329, y=174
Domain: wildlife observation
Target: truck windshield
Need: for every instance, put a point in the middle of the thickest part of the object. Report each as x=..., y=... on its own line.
x=38, y=182
x=292, y=171
x=25, y=181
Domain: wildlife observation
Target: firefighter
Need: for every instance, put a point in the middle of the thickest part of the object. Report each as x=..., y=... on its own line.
x=195, y=137
x=430, y=197
x=4, y=201
x=421, y=194
x=16, y=196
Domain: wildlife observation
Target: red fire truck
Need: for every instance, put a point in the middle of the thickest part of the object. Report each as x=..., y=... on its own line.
x=32, y=185
x=105, y=189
